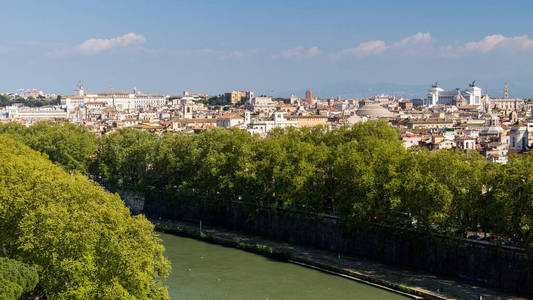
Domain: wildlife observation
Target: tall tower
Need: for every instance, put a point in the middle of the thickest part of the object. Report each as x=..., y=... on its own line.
x=309, y=96
x=79, y=91
x=505, y=92
x=487, y=104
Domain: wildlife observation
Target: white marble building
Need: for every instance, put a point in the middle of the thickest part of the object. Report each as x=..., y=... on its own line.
x=439, y=96
x=119, y=100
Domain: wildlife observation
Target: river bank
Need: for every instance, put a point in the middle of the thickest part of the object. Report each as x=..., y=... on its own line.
x=406, y=282
x=205, y=270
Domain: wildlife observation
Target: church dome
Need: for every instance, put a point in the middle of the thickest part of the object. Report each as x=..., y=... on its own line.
x=492, y=130
x=373, y=110
x=494, y=126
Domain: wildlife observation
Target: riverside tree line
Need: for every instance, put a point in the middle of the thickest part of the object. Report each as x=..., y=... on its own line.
x=84, y=244
x=361, y=174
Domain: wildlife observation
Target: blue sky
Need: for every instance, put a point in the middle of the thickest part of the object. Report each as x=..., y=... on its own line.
x=348, y=48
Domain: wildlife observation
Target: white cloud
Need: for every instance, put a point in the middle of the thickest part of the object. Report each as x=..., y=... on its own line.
x=313, y=51
x=95, y=46
x=416, y=44
x=240, y=53
x=363, y=49
x=497, y=40
x=491, y=43
x=414, y=40
x=298, y=53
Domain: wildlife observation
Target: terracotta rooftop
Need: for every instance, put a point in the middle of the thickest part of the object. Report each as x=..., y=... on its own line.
x=230, y=116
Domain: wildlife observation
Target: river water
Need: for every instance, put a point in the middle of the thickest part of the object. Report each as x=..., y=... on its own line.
x=206, y=271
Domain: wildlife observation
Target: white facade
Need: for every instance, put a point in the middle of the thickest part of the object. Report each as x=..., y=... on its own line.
x=498, y=154
x=409, y=139
x=432, y=97
x=514, y=104
x=294, y=100
x=34, y=114
x=119, y=100
x=473, y=94
x=519, y=138
x=262, y=127
x=466, y=143
x=262, y=104
x=229, y=121
x=439, y=96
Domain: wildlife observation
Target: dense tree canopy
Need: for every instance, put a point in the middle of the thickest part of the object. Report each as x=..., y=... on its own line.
x=84, y=243
x=80, y=238
x=16, y=278
x=6, y=100
x=68, y=145
x=360, y=173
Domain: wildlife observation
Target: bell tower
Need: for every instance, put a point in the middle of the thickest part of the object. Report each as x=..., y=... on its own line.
x=505, y=92
x=79, y=91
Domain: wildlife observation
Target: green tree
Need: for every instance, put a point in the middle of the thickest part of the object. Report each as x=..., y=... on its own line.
x=359, y=173
x=68, y=145
x=515, y=192
x=297, y=169
x=80, y=238
x=423, y=195
x=124, y=159
x=16, y=278
x=366, y=170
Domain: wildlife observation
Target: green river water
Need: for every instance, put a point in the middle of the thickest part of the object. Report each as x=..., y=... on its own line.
x=206, y=271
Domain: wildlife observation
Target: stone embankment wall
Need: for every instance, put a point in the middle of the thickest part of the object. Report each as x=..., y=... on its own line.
x=133, y=200
x=491, y=265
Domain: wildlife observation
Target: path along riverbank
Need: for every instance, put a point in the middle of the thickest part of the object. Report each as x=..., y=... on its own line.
x=407, y=282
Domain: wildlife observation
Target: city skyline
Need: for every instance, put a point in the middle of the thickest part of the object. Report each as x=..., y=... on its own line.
x=326, y=149
x=276, y=48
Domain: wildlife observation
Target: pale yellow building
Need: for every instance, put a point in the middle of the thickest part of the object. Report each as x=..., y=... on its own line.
x=235, y=96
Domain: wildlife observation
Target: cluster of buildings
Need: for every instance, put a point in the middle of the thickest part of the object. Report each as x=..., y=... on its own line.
x=493, y=135
x=31, y=94
x=445, y=119
x=470, y=121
